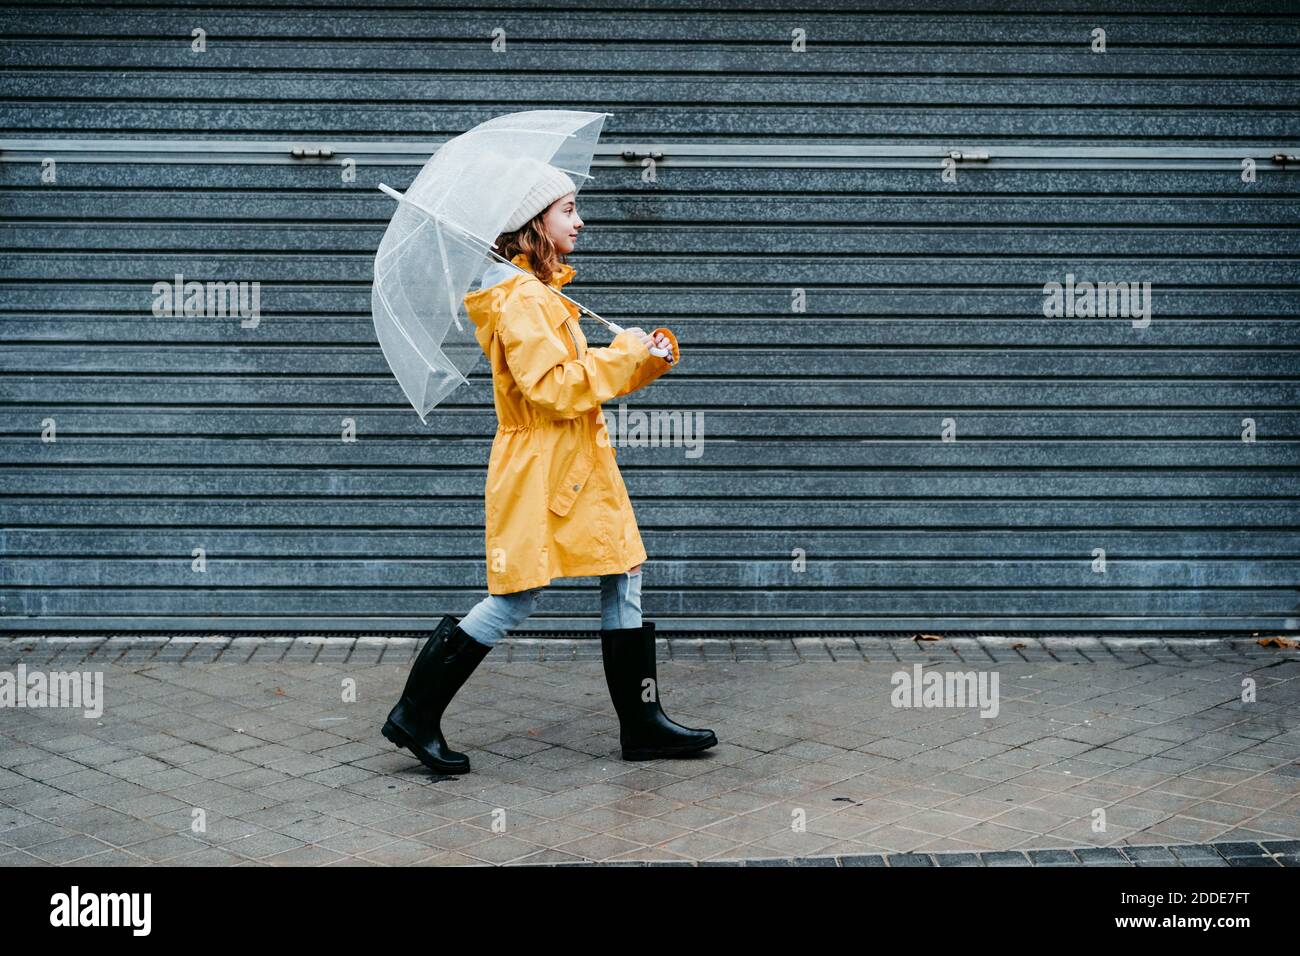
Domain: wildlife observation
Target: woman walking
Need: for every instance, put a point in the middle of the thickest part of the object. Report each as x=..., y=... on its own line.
x=555, y=503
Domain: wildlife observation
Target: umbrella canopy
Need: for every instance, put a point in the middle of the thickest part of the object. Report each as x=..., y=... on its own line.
x=441, y=237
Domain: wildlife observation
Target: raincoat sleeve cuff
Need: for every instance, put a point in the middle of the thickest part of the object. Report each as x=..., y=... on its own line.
x=653, y=366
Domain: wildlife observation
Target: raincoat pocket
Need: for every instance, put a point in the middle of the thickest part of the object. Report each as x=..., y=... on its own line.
x=564, y=494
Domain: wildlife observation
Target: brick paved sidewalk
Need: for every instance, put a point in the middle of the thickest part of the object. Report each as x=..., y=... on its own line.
x=254, y=737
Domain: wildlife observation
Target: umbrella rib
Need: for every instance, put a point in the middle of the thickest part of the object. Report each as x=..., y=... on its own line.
x=514, y=129
x=574, y=171
x=545, y=132
x=407, y=238
x=400, y=197
x=446, y=271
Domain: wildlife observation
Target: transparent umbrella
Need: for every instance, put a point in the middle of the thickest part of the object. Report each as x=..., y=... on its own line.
x=440, y=241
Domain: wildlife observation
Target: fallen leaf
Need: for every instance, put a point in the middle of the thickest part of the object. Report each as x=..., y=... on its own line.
x=1277, y=641
x=927, y=637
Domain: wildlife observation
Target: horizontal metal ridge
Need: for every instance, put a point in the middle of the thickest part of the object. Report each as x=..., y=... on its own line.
x=611, y=154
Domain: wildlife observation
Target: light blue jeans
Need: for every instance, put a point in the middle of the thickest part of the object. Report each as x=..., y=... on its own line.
x=489, y=619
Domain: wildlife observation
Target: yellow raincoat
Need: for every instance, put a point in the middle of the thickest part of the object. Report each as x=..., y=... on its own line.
x=555, y=502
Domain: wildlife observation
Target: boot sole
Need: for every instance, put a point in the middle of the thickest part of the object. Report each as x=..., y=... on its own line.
x=400, y=737
x=652, y=753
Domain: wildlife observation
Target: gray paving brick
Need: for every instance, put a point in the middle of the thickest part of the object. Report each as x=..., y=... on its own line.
x=863, y=859
x=1052, y=858
x=1252, y=861
x=1149, y=855
x=1196, y=852
x=1102, y=856
x=1004, y=858
x=1231, y=850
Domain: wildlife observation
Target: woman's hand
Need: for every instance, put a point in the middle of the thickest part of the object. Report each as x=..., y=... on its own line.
x=641, y=335
x=658, y=341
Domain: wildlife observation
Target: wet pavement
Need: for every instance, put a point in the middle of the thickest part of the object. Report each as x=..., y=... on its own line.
x=262, y=751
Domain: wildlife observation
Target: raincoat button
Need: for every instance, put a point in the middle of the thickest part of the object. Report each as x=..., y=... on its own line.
x=575, y=487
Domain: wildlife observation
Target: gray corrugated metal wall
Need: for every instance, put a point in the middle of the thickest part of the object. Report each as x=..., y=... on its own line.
x=822, y=428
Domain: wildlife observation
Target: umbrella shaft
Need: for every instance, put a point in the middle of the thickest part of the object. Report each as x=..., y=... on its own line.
x=581, y=308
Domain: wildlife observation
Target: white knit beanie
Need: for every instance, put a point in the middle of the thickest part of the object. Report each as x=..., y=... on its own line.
x=549, y=184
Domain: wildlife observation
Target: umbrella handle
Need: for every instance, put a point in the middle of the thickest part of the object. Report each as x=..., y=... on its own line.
x=662, y=353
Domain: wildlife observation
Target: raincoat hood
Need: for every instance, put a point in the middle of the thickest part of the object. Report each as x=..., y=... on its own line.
x=487, y=303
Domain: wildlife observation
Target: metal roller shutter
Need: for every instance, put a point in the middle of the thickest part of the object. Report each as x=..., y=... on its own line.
x=839, y=303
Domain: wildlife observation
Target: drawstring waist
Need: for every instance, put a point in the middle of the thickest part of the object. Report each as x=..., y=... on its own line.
x=542, y=425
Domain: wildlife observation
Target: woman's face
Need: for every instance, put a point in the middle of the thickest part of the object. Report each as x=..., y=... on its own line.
x=562, y=222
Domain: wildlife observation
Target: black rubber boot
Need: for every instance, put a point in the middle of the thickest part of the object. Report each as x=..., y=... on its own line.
x=444, y=663
x=645, y=732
